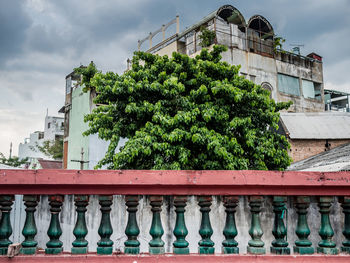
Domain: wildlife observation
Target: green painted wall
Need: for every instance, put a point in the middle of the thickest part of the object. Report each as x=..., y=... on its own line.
x=80, y=107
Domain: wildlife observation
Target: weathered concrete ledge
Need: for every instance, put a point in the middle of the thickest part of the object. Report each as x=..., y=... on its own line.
x=148, y=182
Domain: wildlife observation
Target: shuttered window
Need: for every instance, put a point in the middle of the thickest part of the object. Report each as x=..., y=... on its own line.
x=308, y=89
x=288, y=84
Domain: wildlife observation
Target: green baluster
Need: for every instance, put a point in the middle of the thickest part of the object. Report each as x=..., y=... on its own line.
x=6, y=202
x=29, y=230
x=156, y=245
x=229, y=245
x=80, y=244
x=105, y=245
x=180, y=230
x=279, y=245
x=255, y=245
x=345, y=203
x=303, y=244
x=326, y=245
x=132, y=245
x=54, y=246
x=206, y=245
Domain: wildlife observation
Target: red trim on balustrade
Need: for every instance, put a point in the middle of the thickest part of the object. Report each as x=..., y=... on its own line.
x=149, y=182
x=171, y=258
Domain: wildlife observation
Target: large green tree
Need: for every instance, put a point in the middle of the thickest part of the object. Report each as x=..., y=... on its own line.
x=186, y=113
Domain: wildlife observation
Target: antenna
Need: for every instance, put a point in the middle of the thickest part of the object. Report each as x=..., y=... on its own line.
x=10, y=150
x=296, y=48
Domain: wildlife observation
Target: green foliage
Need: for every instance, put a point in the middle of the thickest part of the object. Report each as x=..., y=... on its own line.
x=12, y=161
x=53, y=149
x=87, y=73
x=186, y=113
x=278, y=41
x=207, y=37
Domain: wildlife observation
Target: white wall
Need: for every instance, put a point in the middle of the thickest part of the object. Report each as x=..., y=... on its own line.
x=56, y=127
x=28, y=147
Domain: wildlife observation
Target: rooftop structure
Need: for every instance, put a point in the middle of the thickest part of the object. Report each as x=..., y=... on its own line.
x=252, y=44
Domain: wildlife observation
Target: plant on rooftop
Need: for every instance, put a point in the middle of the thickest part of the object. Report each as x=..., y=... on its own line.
x=206, y=37
x=186, y=113
x=87, y=73
x=278, y=42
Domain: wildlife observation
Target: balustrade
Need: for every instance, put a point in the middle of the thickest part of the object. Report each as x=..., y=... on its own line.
x=258, y=206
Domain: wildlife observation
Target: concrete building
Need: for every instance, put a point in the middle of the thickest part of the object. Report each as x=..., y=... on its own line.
x=53, y=130
x=89, y=149
x=251, y=44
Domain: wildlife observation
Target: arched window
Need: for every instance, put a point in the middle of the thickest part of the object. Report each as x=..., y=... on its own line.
x=232, y=15
x=267, y=86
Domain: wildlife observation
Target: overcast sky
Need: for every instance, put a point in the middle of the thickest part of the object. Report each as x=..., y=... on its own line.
x=42, y=41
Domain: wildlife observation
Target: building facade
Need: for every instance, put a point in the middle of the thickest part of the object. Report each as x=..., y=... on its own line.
x=252, y=44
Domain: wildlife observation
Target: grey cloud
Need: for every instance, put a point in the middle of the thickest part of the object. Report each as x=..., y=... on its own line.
x=39, y=46
x=13, y=25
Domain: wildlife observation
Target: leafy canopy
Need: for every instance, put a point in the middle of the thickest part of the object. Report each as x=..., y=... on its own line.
x=51, y=148
x=186, y=113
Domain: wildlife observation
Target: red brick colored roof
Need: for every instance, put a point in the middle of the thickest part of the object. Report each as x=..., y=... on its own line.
x=47, y=164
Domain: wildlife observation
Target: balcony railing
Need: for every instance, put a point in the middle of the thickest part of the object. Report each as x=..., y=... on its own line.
x=211, y=216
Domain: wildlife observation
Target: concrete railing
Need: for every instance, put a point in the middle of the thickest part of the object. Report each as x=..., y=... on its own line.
x=252, y=214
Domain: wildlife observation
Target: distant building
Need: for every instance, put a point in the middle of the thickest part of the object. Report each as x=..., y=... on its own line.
x=310, y=134
x=337, y=100
x=53, y=130
x=251, y=44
